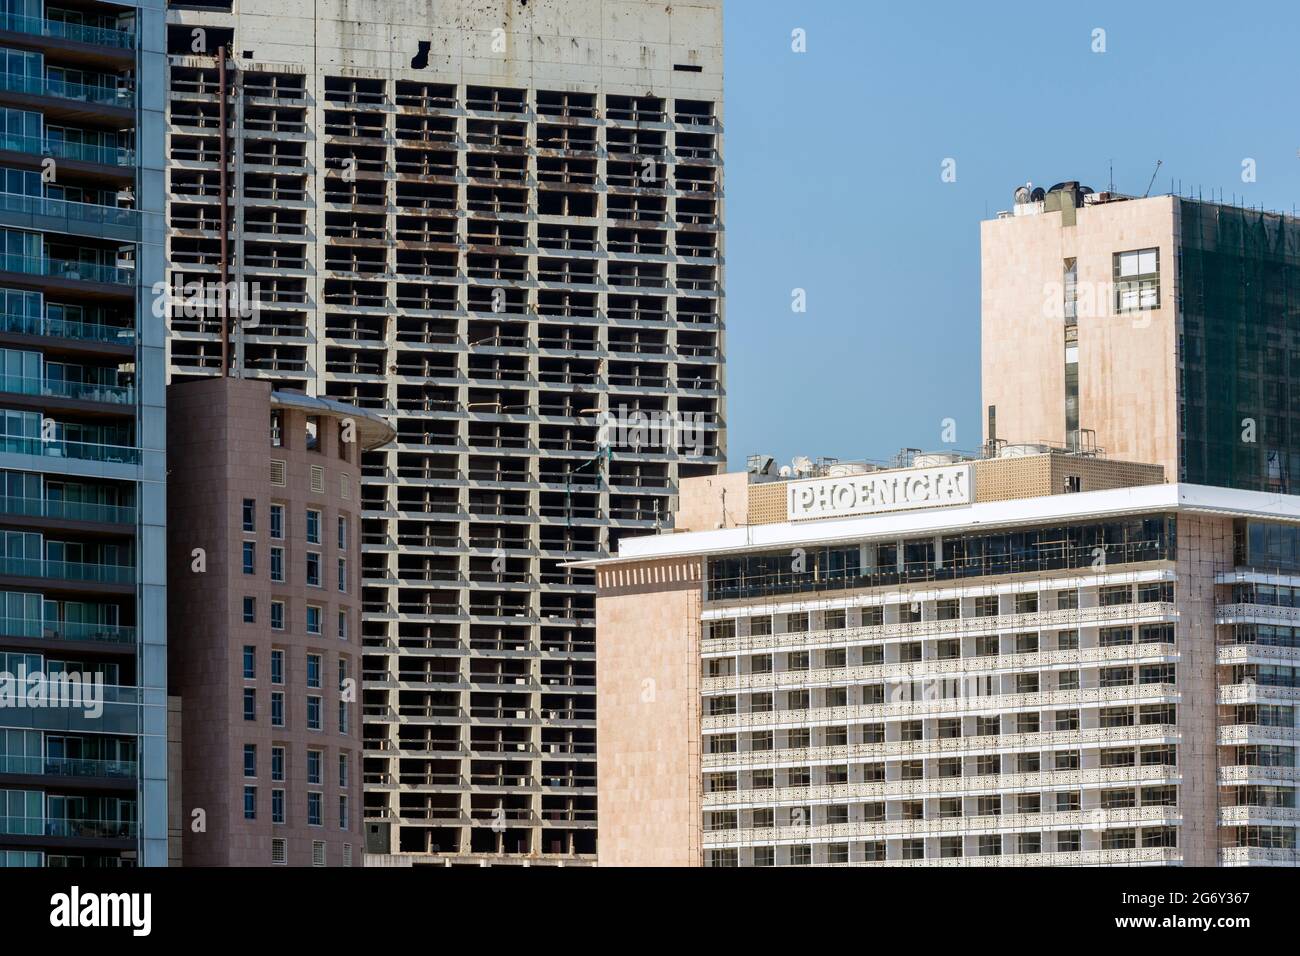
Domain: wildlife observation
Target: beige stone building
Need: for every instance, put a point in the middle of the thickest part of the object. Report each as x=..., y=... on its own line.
x=1042, y=658
x=1155, y=329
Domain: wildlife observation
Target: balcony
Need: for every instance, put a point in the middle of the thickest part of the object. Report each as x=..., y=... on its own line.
x=68, y=570
x=72, y=212
x=46, y=327
x=68, y=767
x=99, y=94
x=79, y=391
x=66, y=269
x=66, y=630
x=62, y=30
x=76, y=450
x=61, y=149
x=67, y=510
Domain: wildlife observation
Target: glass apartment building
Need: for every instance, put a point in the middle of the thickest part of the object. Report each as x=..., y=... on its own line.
x=83, y=772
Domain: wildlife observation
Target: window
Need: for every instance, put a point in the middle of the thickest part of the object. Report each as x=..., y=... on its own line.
x=250, y=662
x=313, y=670
x=277, y=708
x=343, y=625
x=314, y=801
x=277, y=615
x=277, y=764
x=343, y=811
x=250, y=610
x=313, y=526
x=313, y=432
x=314, y=767
x=277, y=429
x=343, y=575
x=277, y=806
x=250, y=760
x=250, y=557
x=277, y=667
x=343, y=772
x=250, y=703
x=343, y=534
x=1137, y=280
x=313, y=619
x=279, y=852
x=347, y=854
x=313, y=713
x=250, y=515
x=250, y=803
x=277, y=564
x=277, y=521
x=313, y=569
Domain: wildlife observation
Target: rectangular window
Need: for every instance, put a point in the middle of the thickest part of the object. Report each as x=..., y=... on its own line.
x=250, y=760
x=313, y=433
x=277, y=806
x=343, y=771
x=250, y=803
x=279, y=852
x=343, y=811
x=343, y=625
x=313, y=619
x=277, y=667
x=250, y=662
x=277, y=764
x=277, y=564
x=314, y=801
x=313, y=569
x=313, y=713
x=314, y=767
x=277, y=708
x=250, y=703
x=277, y=615
x=277, y=429
x=250, y=610
x=343, y=534
x=318, y=853
x=313, y=526
x=277, y=521
x=250, y=557
x=343, y=575
x=1137, y=280
x=250, y=515
x=313, y=671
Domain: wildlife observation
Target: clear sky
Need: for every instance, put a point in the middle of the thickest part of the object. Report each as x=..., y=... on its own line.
x=833, y=182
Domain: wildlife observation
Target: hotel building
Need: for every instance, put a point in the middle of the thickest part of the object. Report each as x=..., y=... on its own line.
x=82, y=508
x=1155, y=328
x=494, y=223
x=264, y=588
x=1037, y=657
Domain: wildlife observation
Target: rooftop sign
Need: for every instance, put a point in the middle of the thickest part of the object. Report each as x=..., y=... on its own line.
x=879, y=492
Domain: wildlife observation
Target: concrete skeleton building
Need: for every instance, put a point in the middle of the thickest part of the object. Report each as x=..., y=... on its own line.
x=266, y=651
x=1037, y=658
x=82, y=456
x=498, y=224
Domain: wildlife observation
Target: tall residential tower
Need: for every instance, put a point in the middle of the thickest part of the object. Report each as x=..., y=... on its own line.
x=82, y=456
x=498, y=224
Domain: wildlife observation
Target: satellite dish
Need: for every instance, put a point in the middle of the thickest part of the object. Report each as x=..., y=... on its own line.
x=1022, y=195
x=1038, y=195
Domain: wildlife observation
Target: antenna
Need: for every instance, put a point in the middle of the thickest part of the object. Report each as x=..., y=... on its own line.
x=1153, y=180
x=1111, y=186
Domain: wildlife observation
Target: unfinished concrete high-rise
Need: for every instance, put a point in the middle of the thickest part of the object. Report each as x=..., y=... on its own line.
x=498, y=224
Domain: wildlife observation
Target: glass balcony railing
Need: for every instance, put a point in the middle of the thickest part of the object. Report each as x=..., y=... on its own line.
x=68, y=767
x=65, y=328
x=92, y=213
x=35, y=826
x=66, y=269
x=53, y=388
x=102, y=94
x=62, y=30
x=79, y=450
x=63, y=149
x=67, y=510
x=68, y=570
x=67, y=630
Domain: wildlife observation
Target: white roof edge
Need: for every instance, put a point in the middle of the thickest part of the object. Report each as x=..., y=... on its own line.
x=993, y=514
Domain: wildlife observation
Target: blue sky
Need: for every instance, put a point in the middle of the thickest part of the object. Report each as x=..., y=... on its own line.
x=833, y=182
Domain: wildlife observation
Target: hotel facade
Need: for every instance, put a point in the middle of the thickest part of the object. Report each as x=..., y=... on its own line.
x=1034, y=658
